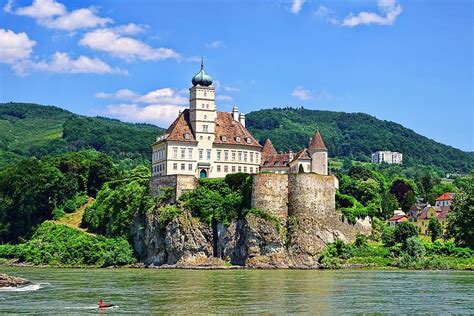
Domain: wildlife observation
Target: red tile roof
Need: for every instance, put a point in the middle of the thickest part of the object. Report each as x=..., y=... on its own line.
x=317, y=142
x=278, y=160
x=268, y=149
x=302, y=154
x=228, y=131
x=397, y=218
x=445, y=197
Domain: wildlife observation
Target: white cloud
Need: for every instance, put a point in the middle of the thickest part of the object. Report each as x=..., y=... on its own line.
x=231, y=89
x=63, y=63
x=296, y=6
x=14, y=47
x=77, y=19
x=225, y=98
x=41, y=9
x=215, y=44
x=158, y=96
x=390, y=10
x=130, y=29
x=161, y=115
x=127, y=48
x=301, y=93
x=52, y=14
x=8, y=6
x=122, y=94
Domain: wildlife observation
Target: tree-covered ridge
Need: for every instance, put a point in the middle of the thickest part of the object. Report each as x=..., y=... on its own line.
x=35, y=130
x=354, y=135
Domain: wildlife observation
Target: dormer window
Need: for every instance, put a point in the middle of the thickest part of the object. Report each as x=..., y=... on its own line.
x=237, y=139
x=276, y=163
x=224, y=138
x=249, y=140
x=187, y=135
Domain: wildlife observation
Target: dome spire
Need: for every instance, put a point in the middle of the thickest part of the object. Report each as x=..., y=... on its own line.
x=201, y=78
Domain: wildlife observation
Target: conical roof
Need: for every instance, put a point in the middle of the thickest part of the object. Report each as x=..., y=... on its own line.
x=317, y=142
x=201, y=78
x=268, y=149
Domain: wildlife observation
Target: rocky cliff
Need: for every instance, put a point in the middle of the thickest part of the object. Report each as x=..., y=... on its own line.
x=251, y=242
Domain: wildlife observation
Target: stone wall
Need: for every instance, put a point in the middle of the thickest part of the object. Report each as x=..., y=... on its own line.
x=311, y=195
x=270, y=193
x=179, y=183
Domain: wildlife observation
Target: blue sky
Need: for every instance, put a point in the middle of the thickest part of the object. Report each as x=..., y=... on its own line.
x=410, y=62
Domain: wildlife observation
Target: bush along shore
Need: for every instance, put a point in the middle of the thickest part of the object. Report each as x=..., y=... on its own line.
x=113, y=196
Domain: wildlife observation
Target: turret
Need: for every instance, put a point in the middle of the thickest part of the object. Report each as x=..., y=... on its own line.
x=319, y=154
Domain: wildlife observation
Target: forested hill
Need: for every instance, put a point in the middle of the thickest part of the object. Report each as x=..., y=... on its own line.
x=36, y=130
x=354, y=135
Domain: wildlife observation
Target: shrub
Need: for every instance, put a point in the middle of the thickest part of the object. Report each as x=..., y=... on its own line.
x=415, y=248
x=73, y=204
x=268, y=217
x=361, y=241
x=403, y=231
x=167, y=213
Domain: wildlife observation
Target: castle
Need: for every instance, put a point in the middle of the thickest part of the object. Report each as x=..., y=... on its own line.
x=205, y=143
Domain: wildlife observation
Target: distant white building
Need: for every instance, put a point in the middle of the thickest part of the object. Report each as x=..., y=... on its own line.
x=387, y=156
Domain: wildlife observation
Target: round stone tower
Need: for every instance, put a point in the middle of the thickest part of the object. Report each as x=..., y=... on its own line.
x=319, y=155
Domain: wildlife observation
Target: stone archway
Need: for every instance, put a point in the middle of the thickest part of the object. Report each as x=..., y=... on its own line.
x=203, y=174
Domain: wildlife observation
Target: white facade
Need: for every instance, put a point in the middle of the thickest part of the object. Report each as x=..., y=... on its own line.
x=391, y=157
x=198, y=150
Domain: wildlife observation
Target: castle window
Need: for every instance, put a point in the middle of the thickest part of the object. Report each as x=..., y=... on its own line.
x=256, y=157
x=240, y=155
x=175, y=166
x=251, y=169
x=233, y=168
x=200, y=154
x=285, y=163
x=245, y=156
x=245, y=169
x=218, y=168
x=237, y=139
x=200, y=137
x=233, y=155
x=204, y=128
x=175, y=152
x=183, y=166
x=251, y=157
x=224, y=138
x=256, y=169
x=208, y=154
x=205, y=93
x=190, y=153
x=183, y=153
x=208, y=137
x=240, y=169
x=207, y=106
x=226, y=169
x=218, y=155
x=190, y=167
x=226, y=155
x=205, y=117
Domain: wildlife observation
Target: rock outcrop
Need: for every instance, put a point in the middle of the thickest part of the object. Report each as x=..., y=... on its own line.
x=11, y=281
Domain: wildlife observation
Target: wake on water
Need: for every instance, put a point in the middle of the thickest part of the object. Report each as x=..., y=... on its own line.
x=91, y=307
x=27, y=288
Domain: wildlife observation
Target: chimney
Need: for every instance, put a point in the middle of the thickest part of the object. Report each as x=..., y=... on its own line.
x=290, y=155
x=242, y=119
x=235, y=113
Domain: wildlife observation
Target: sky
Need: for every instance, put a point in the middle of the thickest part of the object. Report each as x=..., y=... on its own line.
x=411, y=62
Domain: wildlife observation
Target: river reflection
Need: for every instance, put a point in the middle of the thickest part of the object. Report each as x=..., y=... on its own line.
x=136, y=291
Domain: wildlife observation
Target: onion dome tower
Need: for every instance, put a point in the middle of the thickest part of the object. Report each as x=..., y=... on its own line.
x=201, y=78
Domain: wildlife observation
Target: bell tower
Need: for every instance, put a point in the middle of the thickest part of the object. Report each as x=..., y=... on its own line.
x=202, y=106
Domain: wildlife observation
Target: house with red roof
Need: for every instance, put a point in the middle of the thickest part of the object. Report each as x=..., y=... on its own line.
x=445, y=199
x=396, y=219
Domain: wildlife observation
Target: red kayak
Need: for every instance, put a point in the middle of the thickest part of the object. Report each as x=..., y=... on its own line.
x=105, y=305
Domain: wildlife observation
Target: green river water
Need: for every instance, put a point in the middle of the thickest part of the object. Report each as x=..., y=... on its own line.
x=156, y=291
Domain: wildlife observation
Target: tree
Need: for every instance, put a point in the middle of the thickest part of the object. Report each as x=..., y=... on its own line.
x=403, y=231
x=461, y=218
x=435, y=229
x=408, y=201
x=400, y=188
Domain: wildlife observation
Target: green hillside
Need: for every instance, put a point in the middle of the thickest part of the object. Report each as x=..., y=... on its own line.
x=354, y=135
x=36, y=130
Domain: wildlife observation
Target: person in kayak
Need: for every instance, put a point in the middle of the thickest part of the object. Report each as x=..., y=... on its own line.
x=104, y=305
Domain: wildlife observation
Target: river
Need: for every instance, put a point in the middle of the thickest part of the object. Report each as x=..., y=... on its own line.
x=146, y=291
